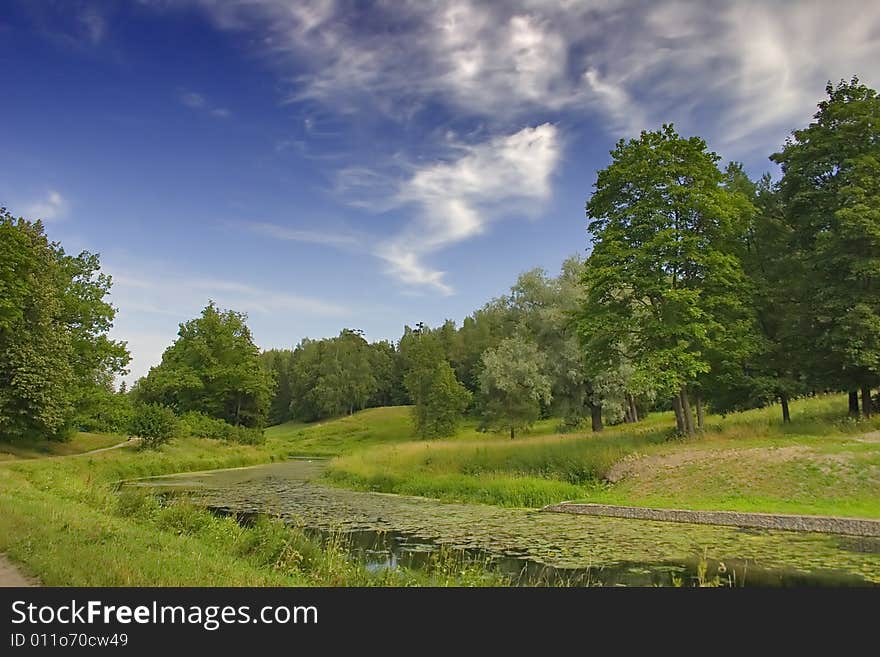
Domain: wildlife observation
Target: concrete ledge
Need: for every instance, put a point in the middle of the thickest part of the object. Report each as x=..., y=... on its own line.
x=794, y=523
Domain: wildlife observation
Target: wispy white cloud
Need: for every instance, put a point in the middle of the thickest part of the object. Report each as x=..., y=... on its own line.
x=455, y=200
x=153, y=298
x=183, y=294
x=199, y=102
x=94, y=25
x=737, y=71
x=51, y=208
x=341, y=239
x=742, y=74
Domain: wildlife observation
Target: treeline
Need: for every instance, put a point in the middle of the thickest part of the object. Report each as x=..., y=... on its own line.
x=703, y=288
x=512, y=361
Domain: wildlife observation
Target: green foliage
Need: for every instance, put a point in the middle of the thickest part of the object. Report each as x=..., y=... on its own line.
x=101, y=409
x=664, y=279
x=444, y=403
x=279, y=362
x=439, y=400
x=154, y=424
x=55, y=356
x=199, y=425
x=830, y=199
x=332, y=377
x=213, y=368
x=513, y=385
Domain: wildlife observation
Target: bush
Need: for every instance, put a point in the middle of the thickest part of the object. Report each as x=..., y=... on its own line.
x=154, y=424
x=199, y=425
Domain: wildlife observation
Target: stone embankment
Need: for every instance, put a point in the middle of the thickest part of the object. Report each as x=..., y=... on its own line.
x=787, y=522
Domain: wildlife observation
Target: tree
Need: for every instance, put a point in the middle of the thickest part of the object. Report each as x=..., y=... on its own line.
x=345, y=380
x=830, y=197
x=332, y=377
x=663, y=274
x=388, y=371
x=36, y=368
x=444, y=403
x=214, y=368
x=278, y=362
x=439, y=399
x=55, y=357
x=154, y=424
x=96, y=358
x=513, y=385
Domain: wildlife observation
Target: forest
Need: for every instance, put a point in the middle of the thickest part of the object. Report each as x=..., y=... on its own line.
x=702, y=290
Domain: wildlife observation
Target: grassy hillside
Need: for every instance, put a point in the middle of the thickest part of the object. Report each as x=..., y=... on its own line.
x=820, y=463
x=369, y=428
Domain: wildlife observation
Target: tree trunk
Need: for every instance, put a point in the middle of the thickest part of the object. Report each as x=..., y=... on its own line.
x=679, y=414
x=786, y=413
x=596, y=416
x=853, y=403
x=688, y=413
x=627, y=411
x=511, y=433
x=698, y=402
x=633, y=408
x=867, y=409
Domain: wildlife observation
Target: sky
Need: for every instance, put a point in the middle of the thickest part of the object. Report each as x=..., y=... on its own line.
x=328, y=164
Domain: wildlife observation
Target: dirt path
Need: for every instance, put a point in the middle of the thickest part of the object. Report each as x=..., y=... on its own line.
x=125, y=443
x=10, y=575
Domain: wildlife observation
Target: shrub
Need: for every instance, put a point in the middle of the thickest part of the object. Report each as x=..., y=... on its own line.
x=154, y=424
x=199, y=425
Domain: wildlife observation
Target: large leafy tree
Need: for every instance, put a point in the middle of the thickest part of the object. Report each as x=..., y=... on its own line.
x=830, y=197
x=56, y=362
x=439, y=399
x=213, y=368
x=36, y=355
x=513, y=385
x=663, y=279
x=96, y=358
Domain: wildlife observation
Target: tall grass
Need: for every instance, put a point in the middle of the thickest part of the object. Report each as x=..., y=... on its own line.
x=66, y=522
x=544, y=469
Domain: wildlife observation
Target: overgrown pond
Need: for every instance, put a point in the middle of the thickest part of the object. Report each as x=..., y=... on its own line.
x=532, y=547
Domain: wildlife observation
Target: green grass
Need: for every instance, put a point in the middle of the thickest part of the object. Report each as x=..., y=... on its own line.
x=79, y=443
x=745, y=461
x=64, y=521
x=369, y=428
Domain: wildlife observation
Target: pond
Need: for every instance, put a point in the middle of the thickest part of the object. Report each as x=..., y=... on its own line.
x=532, y=547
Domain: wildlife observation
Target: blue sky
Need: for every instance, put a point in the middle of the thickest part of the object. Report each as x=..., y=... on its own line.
x=332, y=164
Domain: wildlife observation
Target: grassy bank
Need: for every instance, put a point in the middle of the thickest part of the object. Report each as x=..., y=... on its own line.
x=821, y=463
x=62, y=521
x=79, y=443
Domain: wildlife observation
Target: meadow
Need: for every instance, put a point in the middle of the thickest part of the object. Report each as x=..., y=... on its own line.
x=65, y=521
x=820, y=463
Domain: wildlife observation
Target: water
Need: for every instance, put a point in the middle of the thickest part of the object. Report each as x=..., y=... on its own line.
x=387, y=531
